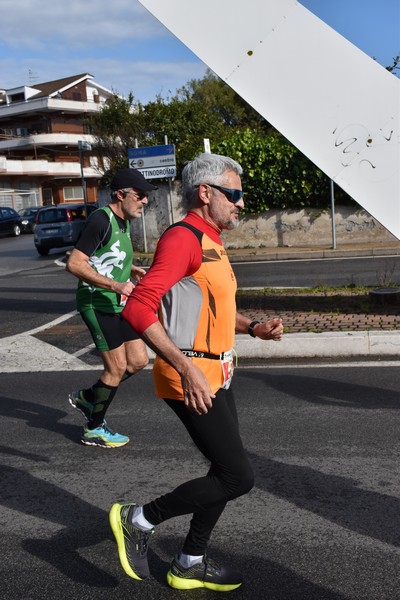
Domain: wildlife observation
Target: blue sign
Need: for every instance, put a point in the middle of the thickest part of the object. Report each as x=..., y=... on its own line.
x=151, y=151
x=153, y=161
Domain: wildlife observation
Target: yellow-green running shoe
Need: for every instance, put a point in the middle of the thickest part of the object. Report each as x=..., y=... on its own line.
x=132, y=542
x=206, y=574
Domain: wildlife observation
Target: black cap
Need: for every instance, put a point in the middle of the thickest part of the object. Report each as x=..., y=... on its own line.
x=131, y=178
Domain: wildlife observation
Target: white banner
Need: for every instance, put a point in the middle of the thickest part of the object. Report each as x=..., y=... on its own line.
x=158, y=172
x=332, y=101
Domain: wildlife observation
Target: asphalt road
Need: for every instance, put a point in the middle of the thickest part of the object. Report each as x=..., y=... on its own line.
x=321, y=523
x=19, y=255
x=369, y=271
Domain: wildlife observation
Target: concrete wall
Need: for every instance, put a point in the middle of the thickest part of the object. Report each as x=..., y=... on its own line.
x=302, y=228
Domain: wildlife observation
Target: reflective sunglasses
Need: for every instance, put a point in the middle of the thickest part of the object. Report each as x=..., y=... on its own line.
x=139, y=195
x=232, y=194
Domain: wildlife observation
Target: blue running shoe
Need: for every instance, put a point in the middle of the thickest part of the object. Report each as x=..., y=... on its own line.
x=77, y=400
x=103, y=437
x=132, y=542
x=206, y=574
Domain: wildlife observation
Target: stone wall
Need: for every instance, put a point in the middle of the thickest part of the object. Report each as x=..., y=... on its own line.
x=275, y=228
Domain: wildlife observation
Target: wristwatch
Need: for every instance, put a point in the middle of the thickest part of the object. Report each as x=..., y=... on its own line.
x=251, y=328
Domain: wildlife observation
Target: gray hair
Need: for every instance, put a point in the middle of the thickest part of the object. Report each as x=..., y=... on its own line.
x=205, y=168
x=114, y=193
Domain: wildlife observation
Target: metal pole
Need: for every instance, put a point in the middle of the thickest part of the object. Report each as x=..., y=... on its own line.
x=144, y=231
x=171, y=210
x=333, y=214
x=170, y=199
x=143, y=221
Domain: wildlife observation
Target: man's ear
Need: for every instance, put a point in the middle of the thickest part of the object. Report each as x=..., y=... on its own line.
x=204, y=193
x=121, y=194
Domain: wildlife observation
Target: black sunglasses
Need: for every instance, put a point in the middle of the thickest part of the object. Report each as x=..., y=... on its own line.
x=139, y=195
x=232, y=194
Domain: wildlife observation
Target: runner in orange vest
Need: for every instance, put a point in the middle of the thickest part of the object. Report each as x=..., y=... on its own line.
x=184, y=308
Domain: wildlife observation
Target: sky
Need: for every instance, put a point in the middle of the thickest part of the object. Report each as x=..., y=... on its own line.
x=127, y=50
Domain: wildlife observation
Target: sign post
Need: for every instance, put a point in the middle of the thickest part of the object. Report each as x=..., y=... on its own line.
x=155, y=162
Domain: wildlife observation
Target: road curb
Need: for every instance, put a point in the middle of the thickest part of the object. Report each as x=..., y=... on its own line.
x=310, y=254
x=322, y=345
x=24, y=353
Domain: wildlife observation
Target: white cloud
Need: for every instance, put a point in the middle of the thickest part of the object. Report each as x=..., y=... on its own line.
x=117, y=41
x=34, y=23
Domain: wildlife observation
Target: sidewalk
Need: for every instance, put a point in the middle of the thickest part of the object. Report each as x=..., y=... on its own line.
x=319, y=333
x=313, y=333
x=313, y=252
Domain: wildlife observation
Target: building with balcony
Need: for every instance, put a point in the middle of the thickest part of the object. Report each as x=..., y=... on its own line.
x=44, y=138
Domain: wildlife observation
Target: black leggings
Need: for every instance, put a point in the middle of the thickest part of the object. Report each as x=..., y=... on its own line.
x=217, y=436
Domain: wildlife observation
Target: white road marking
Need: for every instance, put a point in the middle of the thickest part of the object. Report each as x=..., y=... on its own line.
x=52, y=323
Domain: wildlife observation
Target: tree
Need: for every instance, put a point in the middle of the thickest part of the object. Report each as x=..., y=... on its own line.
x=204, y=108
x=276, y=174
x=395, y=66
x=115, y=129
x=220, y=100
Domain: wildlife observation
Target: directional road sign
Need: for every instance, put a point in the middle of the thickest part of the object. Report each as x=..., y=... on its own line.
x=154, y=162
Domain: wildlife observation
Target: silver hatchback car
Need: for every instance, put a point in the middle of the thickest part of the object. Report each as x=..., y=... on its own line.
x=60, y=226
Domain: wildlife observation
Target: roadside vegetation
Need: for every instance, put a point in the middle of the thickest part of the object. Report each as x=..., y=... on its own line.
x=320, y=299
x=318, y=290
x=276, y=174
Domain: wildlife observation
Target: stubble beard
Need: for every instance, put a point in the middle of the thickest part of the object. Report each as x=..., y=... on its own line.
x=232, y=224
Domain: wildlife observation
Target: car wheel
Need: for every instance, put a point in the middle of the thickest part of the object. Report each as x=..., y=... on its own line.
x=42, y=251
x=16, y=230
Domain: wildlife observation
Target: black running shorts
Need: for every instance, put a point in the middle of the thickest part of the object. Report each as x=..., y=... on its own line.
x=109, y=330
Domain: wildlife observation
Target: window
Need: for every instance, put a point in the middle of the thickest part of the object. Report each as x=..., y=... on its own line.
x=6, y=197
x=27, y=194
x=73, y=193
x=47, y=195
x=17, y=97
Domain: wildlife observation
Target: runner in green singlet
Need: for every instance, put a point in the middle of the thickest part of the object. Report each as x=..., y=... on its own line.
x=103, y=261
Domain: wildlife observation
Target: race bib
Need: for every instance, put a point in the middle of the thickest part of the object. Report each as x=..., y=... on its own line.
x=228, y=367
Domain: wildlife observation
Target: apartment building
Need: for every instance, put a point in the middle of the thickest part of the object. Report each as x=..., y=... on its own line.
x=45, y=143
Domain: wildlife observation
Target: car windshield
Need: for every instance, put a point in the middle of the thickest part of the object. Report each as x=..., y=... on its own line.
x=28, y=212
x=52, y=215
x=59, y=215
x=6, y=213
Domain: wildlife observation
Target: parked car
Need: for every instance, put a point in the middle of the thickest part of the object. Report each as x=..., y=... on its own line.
x=11, y=223
x=29, y=215
x=59, y=226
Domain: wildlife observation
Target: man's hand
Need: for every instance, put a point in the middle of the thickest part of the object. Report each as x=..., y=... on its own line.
x=124, y=289
x=137, y=273
x=197, y=393
x=270, y=330
x=196, y=389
